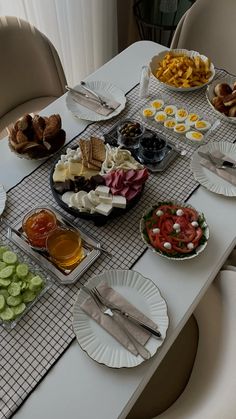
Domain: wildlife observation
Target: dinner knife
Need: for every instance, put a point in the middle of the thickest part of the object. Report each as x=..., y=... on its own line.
x=217, y=160
x=128, y=316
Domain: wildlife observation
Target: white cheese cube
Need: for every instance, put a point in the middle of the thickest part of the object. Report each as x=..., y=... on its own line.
x=118, y=201
x=104, y=209
x=102, y=190
x=105, y=199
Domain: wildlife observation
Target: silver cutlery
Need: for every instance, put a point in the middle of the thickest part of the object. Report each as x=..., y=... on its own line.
x=144, y=352
x=128, y=316
x=217, y=162
x=95, y=97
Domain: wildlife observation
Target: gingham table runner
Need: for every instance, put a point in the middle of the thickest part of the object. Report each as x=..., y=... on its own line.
x=30, y=350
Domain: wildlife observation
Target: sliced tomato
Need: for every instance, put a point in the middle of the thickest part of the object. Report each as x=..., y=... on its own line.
x=190, y=213
x=182, y=249
x=198, y=235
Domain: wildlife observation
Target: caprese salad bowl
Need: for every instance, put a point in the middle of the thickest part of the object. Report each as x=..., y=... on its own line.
x=174, y=230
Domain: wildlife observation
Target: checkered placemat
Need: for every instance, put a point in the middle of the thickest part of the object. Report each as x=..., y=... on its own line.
x=28, y=351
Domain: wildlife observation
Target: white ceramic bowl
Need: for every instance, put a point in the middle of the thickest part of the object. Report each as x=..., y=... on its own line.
x=154, y=64
x=210, y=94
x=187, y=256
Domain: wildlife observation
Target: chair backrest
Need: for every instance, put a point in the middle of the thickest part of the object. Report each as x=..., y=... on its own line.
x=210, y=392
x=30, y=67
x=209, y=27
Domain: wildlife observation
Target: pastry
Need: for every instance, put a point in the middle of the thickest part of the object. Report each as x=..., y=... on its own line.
x=230, y=100
x=222, y=89
x=217, y=102
x=232, y=111
x=53, y=126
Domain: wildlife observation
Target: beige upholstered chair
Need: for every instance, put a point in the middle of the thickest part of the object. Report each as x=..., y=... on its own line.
x=210, y=392
x=209, y=27
x=31, y=74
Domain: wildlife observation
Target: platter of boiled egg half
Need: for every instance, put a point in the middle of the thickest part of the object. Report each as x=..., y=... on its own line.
x=177, y=119
x=96, y=181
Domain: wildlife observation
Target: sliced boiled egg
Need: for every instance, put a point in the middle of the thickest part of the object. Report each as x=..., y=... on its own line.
x=181, y=128
x=192, y=118
x=181, y=114
x=202, y=125
x=148, y=112
x=157, y=104
x=170, y=123
x=170, y=110
x=160, y=117
x=194, y=135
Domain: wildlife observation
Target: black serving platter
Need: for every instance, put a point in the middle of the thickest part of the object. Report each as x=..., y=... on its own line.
x=98, y=219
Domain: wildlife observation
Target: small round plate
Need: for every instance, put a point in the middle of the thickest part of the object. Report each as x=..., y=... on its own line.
x=3, y=199
x=142, y=293
x=207, y=178
x=101, y=88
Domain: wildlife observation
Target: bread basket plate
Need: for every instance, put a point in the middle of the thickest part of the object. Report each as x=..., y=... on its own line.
x=210, y=95
x=178, y=257
x=28, y=156
x=154, y=63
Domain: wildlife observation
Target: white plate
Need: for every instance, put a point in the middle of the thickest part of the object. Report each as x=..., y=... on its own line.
x=198, y=249
x=3, y=198
x=209, y=179
x=154, y=63
x=101, y=88
x=101, y=346
x=210, y=94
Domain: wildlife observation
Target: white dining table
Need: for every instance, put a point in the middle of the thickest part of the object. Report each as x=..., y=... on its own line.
x=76, y=386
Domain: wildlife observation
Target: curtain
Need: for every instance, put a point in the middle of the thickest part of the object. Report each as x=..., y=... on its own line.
x=84, y=32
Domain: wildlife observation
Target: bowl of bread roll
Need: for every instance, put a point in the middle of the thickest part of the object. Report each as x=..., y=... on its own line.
x=36, y=137
x=221, y=95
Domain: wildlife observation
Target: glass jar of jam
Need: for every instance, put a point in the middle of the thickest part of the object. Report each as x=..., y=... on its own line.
x=37, y=224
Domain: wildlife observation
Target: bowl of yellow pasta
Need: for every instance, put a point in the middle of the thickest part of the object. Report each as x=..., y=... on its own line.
x=182, y=70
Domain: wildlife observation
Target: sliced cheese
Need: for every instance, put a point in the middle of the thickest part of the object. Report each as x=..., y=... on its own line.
x=118, y=201
x=104, y=209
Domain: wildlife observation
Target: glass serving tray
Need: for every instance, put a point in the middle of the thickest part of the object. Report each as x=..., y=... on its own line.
x=34, y=267
x=171, y=152
x=90, y=246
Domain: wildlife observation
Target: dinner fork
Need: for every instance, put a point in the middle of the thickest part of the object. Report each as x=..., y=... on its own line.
x=144, y=352
x=114, y=308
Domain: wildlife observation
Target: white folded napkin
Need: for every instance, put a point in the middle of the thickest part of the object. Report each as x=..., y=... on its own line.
x=96, y=106
x=110, y=324
x=227, y=174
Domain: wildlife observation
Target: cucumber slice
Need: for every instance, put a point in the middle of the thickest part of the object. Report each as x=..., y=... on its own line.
x=29, y=276
x=9, y=257
x=19, y=309
x=2, y=302
x=24, y=285
x=3, y=249
x=14, y=289
x=2, y=265
x=5, y=293
x=6, y=272
x=14, y=301
x=28, y=296
x=4, y=282
x=22, y=270
x=35, y=283
x=7, y=314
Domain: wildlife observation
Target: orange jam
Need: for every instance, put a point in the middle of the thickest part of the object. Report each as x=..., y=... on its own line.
x=37, y=224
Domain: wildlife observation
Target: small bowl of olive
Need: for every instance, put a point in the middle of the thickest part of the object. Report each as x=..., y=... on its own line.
x=129, y=133
x=152, y=148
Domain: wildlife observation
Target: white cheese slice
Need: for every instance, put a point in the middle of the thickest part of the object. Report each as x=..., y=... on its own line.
x=59, y=175
x=94, y=198
x=118, y=201
x=67, y=196
x=102, y=190
x=75, y=168
x=103, y=209
x=86, y=202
